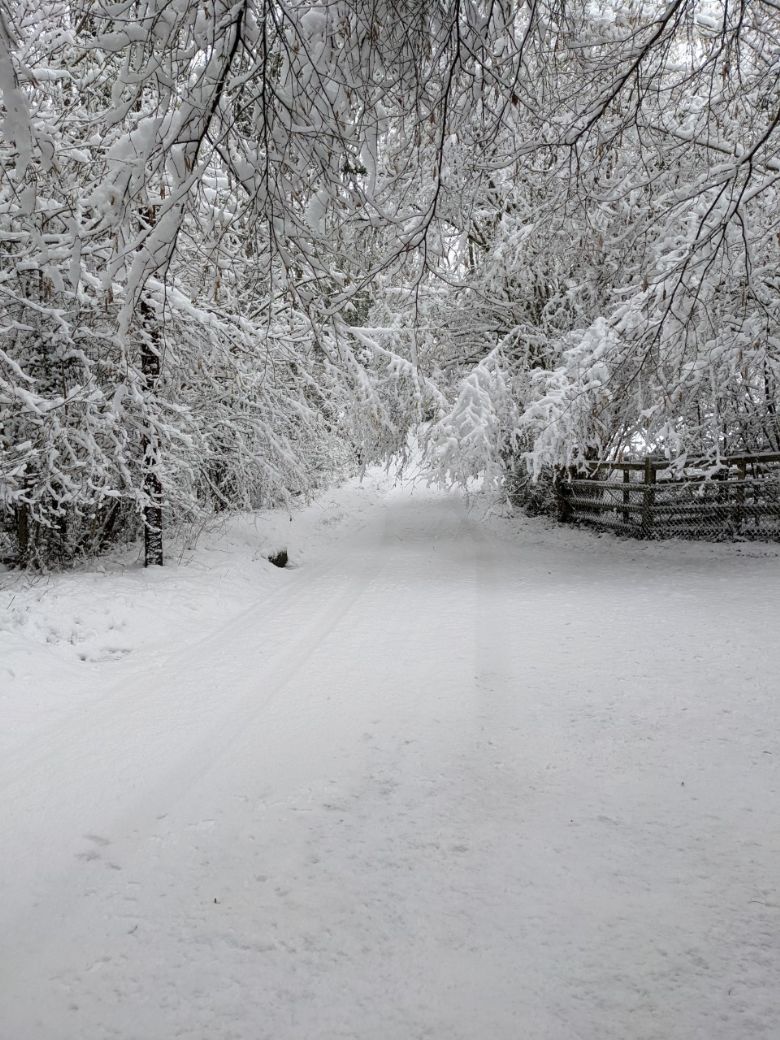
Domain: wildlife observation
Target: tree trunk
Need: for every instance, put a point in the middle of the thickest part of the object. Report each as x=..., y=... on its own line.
x=22, y=518
x=150, y=369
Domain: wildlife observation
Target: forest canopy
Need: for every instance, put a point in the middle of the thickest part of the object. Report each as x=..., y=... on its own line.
x=248, y=245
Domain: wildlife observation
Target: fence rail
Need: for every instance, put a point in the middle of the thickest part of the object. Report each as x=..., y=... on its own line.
x=740, y=498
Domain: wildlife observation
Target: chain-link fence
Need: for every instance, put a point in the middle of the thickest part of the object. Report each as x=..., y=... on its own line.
x=738, y=499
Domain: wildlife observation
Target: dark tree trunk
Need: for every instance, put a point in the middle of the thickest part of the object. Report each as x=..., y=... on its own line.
x=150, y=369
x=153, y=538
x=23, y=534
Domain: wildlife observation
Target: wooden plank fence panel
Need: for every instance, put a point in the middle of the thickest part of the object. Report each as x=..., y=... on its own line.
x=742, y=497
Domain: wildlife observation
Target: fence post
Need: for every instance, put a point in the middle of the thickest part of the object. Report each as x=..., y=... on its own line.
x=626, y=496
x=740, y=512
x=648, y=499
x=562, y=495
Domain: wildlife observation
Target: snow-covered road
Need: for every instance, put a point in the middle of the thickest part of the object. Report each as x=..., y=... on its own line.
x=452, y=777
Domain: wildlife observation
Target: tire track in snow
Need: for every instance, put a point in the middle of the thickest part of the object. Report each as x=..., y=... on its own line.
x=136, y=753
x=279, y=611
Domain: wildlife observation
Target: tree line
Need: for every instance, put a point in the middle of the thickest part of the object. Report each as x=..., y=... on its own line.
x=247, y=245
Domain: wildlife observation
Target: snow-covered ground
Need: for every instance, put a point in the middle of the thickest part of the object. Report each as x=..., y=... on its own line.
x=452, y=776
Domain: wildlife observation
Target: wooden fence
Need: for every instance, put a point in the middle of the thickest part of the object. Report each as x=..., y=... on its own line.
x=738, y=498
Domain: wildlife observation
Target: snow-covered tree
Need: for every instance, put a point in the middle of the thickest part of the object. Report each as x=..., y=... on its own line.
x=635, y=239
x=245, y=240
x=187, y=189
